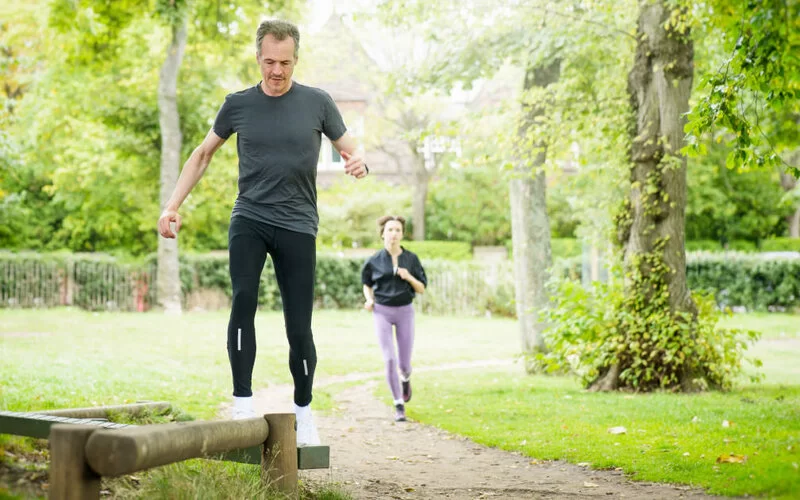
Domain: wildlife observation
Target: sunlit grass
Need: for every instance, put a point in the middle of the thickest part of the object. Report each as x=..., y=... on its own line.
x=773, y=326
x=69, y=358
x=668, y=438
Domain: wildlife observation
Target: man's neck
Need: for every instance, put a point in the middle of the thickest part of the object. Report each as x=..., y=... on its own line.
x=266, y=90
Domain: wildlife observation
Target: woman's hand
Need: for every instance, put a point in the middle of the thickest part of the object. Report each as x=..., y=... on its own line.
x=414, y=282
x=403, y=273
x=368, y=304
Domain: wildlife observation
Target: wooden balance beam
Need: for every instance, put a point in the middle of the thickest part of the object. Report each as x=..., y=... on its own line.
x=81, y=455
x=37, y=425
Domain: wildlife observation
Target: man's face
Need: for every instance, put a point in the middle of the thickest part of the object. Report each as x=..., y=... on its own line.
x=277, y=64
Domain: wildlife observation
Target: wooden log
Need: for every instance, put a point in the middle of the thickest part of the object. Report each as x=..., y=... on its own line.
x=279, y=458
x=133, y=409
x=70, y=476
x=114, y=453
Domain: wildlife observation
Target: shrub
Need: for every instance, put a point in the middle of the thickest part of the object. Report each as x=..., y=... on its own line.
x=90, y=281
x=559, y=247
x=781, y=245
x=703, y=245
x=741, y=246
x=100, y=281
x=445, y=250
x=592, y=329
x=566, y=247
x=752, y=281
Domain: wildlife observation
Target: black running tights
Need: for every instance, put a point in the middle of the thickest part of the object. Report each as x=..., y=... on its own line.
x=294, y=260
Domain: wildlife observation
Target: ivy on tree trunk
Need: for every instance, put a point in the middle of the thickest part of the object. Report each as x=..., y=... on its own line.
x=652, y=226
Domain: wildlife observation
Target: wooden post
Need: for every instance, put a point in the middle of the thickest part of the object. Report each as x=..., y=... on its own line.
x=279, y=457
x=70, y=475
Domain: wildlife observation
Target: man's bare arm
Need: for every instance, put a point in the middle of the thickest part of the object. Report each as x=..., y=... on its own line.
x=193, y=170
x=355, y=164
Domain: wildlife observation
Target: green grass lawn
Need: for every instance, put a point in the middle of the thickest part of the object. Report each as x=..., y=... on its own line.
x=668, y=438
x=68, y=358
x=772, y=326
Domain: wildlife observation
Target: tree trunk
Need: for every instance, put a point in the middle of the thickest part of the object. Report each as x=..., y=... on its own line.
x=794, y=224
x=789, y=183
x=169, y=283
x=420, y=195
x=652, y=232
x=530, y=226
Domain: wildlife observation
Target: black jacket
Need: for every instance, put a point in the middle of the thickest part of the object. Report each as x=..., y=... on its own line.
x=390, y=289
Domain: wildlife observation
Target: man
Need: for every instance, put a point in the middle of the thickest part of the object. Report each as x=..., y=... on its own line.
x=278, y=125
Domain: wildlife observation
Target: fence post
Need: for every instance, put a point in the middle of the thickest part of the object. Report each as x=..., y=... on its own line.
x=279, y=454
x=69, y=283
x=70, y=475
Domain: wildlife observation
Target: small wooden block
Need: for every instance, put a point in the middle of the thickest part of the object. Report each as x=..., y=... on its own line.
x=313, y=457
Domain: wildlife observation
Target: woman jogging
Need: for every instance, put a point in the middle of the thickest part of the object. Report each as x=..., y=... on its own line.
x=391, y=279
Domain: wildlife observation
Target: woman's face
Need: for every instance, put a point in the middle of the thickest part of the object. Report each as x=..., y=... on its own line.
x=392, y=232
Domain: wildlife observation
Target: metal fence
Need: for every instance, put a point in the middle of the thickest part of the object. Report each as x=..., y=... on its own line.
x=92, y=285
x=459, y=288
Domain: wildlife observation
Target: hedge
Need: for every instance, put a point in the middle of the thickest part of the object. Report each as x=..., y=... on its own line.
x=757, y=282
x=89, y=281
x=559, y=247
x=781, y=245
x=761, y=282
x=444, y=250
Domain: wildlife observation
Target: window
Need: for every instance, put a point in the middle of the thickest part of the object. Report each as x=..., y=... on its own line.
x=329, y=158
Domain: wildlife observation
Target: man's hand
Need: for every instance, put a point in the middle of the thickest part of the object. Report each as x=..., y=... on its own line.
x=354, y=165
x=168, y=217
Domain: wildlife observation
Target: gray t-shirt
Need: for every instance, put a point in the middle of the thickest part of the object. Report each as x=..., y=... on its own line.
x=278, y=141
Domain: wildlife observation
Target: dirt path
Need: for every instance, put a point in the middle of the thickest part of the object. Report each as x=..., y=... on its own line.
x=373, y=457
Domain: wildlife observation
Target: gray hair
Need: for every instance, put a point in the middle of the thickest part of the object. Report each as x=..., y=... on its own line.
x=280, y=30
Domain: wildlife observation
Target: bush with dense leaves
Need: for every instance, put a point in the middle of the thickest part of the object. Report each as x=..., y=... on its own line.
x=594, y=328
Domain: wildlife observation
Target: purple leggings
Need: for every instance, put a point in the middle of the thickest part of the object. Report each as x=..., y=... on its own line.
x=402, y=317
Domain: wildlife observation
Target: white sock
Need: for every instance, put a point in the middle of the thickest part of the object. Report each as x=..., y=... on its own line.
x=399, y=402
x=405, y=379
x=243, y=403
x=302, y=412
